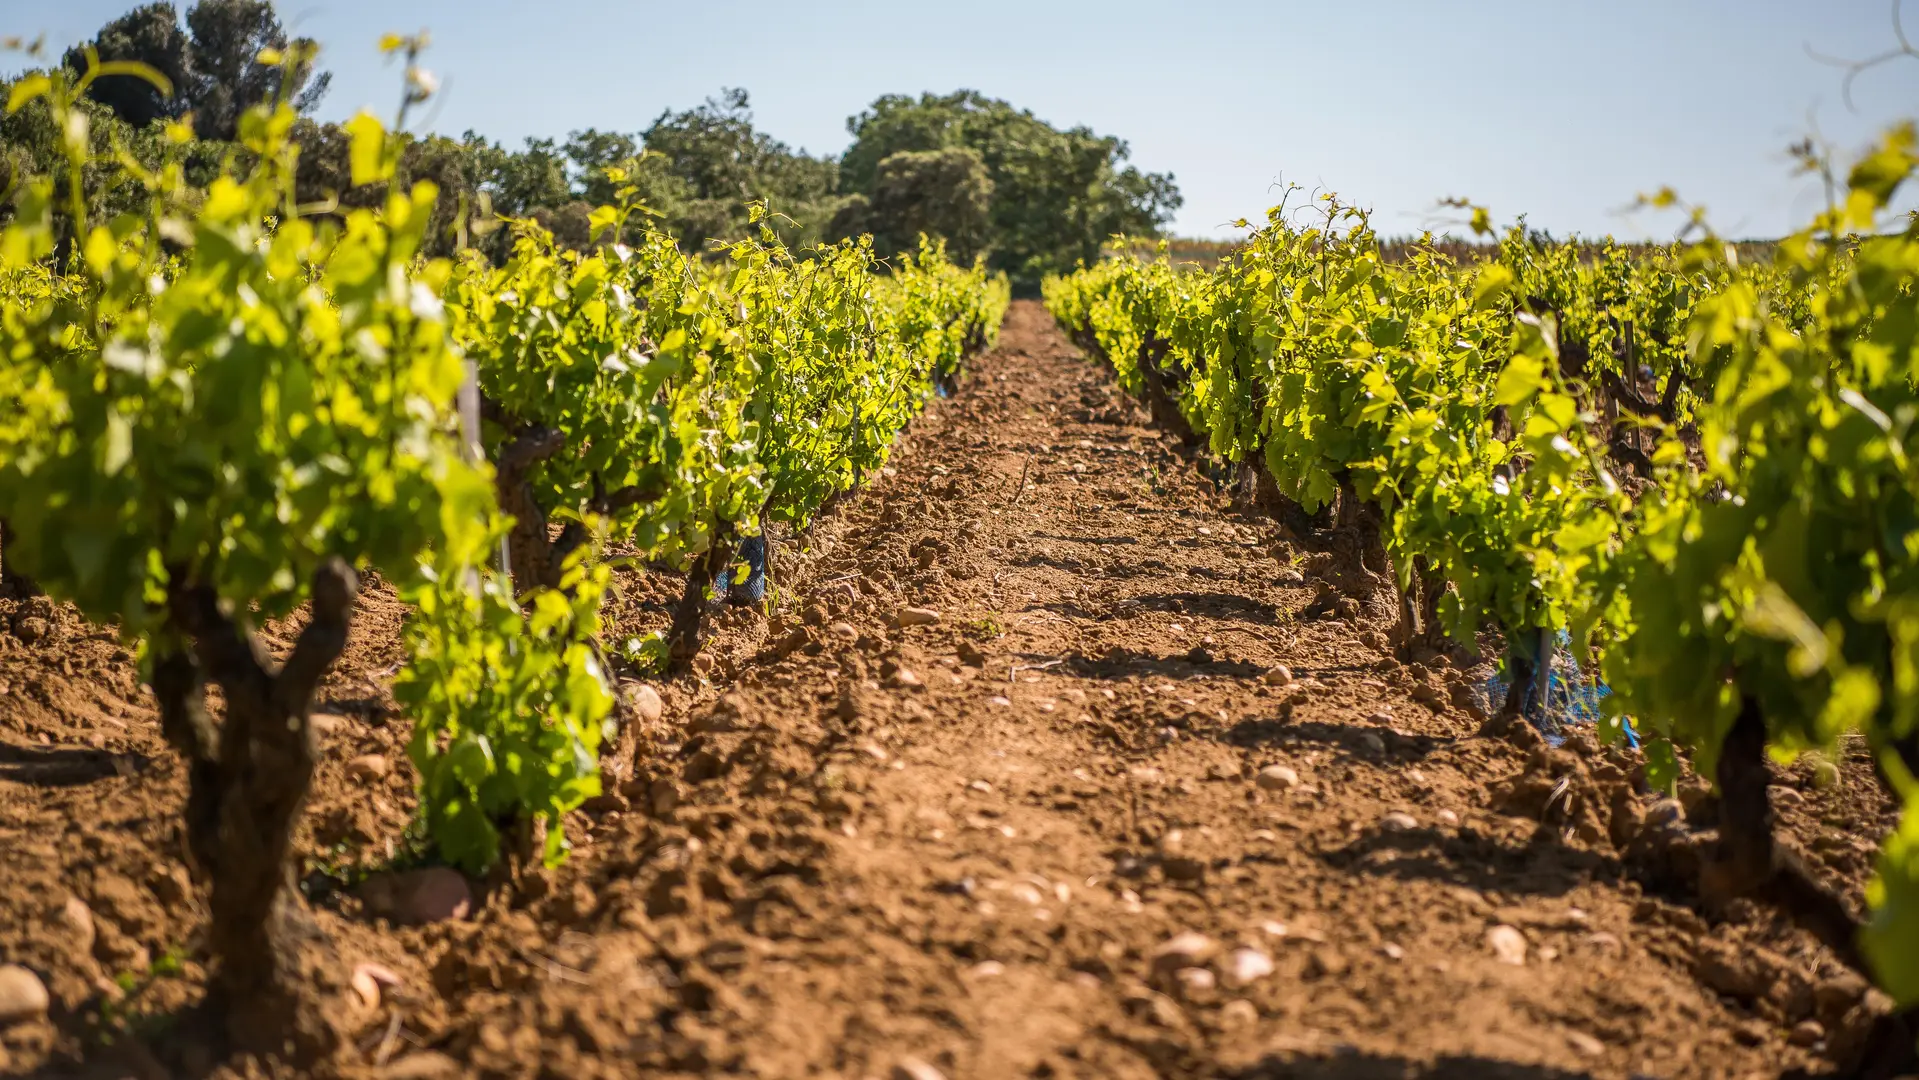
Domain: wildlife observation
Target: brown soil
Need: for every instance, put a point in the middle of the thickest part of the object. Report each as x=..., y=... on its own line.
x=965, y=843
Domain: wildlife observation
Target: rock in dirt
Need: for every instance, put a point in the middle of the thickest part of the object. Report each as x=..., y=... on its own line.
x=1277, y=778
x=918, y=616
x=1807, y=1033
x=414, y=897
x=23, y=996
x=1398, y=821
x=1278, y=675
x=369, y=767
x=425, y=1065
x=1184, y=950
x=1447, y=818
x=970, y=655
x=1243, y=967
x=77, y=919
x=1508, y=944
x=844, y=631
x=912, y=1068
x=1585, y=1045
x=1195, y=980
x=31, y=629
x=645, y=701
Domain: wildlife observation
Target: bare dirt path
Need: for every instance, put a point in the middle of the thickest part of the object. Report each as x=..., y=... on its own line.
x=1041, y=836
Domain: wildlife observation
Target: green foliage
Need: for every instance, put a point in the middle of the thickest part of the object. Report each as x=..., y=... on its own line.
x=510, y=708
x=941, y=193
x=234, y=418
x=1771, y=556
x=213, y=68
x=1056, y=195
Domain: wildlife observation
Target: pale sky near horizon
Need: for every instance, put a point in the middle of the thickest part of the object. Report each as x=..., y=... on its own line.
x=1557, y=110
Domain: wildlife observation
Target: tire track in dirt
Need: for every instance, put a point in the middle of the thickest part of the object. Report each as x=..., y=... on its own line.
x=1041, y=836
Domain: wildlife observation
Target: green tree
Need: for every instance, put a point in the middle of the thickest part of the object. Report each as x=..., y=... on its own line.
x=213, y=64
x=1056, y=195
x=944, y=193
x=722, y=163
x=150, y=35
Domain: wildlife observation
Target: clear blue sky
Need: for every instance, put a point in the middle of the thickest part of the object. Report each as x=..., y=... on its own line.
x=1557, y=109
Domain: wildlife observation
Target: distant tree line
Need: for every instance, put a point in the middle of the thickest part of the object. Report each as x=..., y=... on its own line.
x=992, y=180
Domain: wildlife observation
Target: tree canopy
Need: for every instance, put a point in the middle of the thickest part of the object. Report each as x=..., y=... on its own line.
x=1056, y=195
x=993, y=181
x=213, y=64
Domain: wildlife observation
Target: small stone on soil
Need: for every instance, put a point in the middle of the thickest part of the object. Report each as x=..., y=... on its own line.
x=1184, y=950
x=918, y=616
x=1244, y=967
x=1277, y=778
x=1585, y=1044
x=431, y=894
x=1398, y=821
x=1508, y=944
x=23, y=996
x=1278, y=675
x=369, y=767
x=912, y=1068
x=1807, y=1033
x=1447, y=818
x=645, y=701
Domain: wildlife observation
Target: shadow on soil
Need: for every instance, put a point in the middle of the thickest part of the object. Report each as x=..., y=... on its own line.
x=1358, y=1065
x=64, y=766
x=1482, y=863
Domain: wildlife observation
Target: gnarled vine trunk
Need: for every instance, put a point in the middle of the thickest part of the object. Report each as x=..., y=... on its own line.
x=248, y=780
x=684, y=638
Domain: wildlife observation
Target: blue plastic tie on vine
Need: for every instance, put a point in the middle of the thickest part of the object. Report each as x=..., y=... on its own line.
x=1571, y=697
x=752, y=589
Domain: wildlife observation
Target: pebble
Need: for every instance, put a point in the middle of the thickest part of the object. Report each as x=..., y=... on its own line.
x=1372, y=743
x=1238, y=1013
x=645, y=701
x=428, y=895
x=1585, y=1044
x=1399, y=821
x=78, y=918
x=1184, y=950
x=912, y=1068
x=1508, y=944
x=1243, y=967
x=1785, y=796
x=906, y=677
x=1383, y=719
x=1447, y=818
x=1195, y=980
x=424, y=1065
x=918, y=616
x=845, y=631
x=1278, y=675
x=1807, y=1033
x=1277, y=778
x=23, y=996
x=369, y=767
